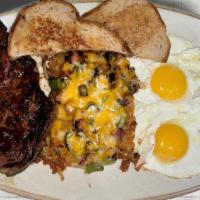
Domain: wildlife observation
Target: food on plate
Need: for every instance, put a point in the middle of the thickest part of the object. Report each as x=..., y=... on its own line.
x=95, y=89
x=167, y=111
x=25, y=112
x=53, y=26
x=83, y=63
x=90, y=79
x=138, y=23
x=94, y=125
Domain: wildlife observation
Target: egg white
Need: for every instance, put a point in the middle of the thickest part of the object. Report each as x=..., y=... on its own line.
x=178, y=44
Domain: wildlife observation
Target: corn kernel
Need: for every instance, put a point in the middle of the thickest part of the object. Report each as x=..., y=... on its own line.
x=91, y=65
x=94, y=58
x=91, y=57
x=67, y=67
x=123, y=63
x=102, y=60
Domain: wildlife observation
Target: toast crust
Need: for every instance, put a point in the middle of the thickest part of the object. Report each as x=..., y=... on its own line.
x=167, y=38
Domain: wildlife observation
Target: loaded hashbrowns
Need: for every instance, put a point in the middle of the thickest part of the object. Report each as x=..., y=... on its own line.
x=94, y=124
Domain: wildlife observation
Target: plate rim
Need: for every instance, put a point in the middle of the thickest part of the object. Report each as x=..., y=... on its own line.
x=25, y=194
x=30, y=195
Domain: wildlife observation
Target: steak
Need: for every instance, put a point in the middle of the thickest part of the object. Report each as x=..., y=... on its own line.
x=25, y=112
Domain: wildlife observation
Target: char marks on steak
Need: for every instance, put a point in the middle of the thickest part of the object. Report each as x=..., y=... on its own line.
x=25, y=112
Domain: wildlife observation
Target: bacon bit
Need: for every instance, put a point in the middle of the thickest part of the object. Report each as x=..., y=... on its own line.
x=83, y=159
x=79, y=125
x=125, y=165
x=123, y=102
x=119, y=133
x=75, y=58
x=105, y=67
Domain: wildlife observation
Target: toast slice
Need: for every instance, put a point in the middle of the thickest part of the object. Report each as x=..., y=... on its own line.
x=137, y=22
x=53, y=26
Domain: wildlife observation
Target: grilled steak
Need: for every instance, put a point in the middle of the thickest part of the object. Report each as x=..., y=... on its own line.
x=25, y=112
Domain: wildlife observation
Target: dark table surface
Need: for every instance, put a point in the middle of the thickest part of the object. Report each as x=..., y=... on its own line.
x=191, y=6
x=10, y=4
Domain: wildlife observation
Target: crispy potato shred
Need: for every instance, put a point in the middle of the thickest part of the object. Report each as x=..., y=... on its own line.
x=94, y=124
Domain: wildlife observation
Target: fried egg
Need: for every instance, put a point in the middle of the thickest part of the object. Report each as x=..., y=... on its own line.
x=167, y=140
x=167, y=107
x=174, y=81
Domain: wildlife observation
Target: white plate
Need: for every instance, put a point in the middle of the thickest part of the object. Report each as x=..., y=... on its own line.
x=38, y=182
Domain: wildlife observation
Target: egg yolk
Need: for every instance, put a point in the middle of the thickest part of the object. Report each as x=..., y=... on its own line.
x=171, y=143
x=169, y=82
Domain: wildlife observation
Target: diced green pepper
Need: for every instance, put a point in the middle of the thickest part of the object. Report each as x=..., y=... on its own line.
x=108, y=161
x=57, y=84
x=83, y=90
x=75, y=143
x=93, y=167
